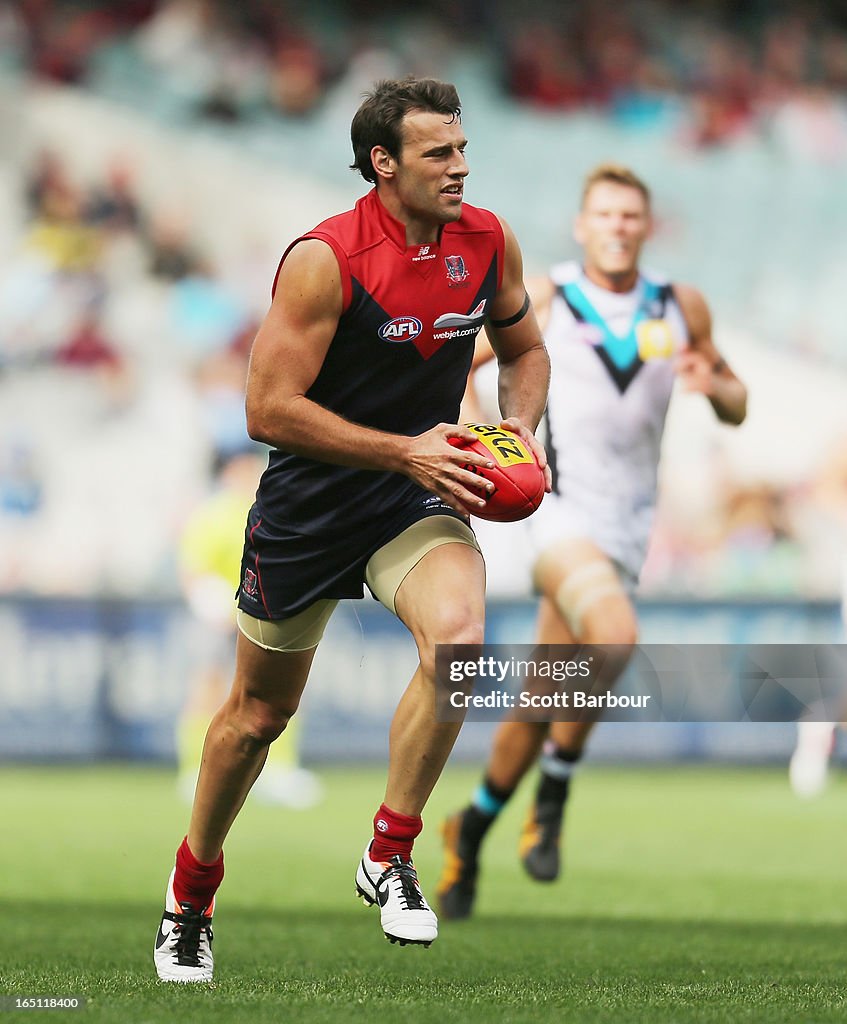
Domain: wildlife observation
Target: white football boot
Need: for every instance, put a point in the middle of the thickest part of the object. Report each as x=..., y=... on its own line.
x=183, y=950
x=393, y=886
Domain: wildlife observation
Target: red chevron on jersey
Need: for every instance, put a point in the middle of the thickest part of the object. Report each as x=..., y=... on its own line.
x=398, y=361
x=405, y=282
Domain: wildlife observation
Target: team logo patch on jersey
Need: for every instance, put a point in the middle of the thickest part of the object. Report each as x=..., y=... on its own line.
x=401, y=328
x=655, y=340
x=249, y=583
x=456, y=271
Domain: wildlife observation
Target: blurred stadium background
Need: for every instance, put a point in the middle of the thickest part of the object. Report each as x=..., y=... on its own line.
x=156, y=158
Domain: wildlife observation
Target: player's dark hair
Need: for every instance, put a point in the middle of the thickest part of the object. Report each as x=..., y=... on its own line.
x=378, y=121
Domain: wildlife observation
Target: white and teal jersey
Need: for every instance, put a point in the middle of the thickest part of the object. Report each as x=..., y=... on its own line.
x=612, y=374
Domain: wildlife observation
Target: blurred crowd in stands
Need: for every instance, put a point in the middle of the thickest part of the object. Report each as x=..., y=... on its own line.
x=714, y=71
x=123, y=357
x=123, y=347
x=754, y=538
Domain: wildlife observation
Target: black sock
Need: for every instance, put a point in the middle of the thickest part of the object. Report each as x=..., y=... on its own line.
x=550, y=797
x=554, y=784
x=479, y=816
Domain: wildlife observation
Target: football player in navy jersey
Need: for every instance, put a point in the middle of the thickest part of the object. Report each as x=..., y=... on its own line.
x=355, y=381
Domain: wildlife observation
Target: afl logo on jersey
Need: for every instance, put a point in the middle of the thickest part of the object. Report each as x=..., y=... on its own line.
x=401, y=328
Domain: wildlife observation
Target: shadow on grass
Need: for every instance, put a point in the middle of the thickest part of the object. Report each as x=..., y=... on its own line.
x=300, y=942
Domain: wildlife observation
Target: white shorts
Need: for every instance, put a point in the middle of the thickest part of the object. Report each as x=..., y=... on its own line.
x=512, y=549
x=624, y=544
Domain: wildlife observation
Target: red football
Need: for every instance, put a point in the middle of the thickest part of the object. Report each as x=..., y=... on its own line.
x=518, y=479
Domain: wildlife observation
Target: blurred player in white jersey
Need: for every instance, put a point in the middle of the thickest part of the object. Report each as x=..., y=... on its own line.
x=618, y=336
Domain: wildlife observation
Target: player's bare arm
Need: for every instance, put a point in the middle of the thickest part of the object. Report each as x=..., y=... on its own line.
x=701, y=367
x=471, y=410
x=287, y=356
x=524, y=367
x=540, y=290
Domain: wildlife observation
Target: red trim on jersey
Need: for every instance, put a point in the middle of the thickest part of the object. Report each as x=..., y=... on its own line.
x=501, y=250
x=394, y=229
x=353, y=233
x=278, y=268
x=258, y=570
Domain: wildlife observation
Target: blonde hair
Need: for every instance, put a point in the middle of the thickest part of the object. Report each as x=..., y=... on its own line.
x=617, y=174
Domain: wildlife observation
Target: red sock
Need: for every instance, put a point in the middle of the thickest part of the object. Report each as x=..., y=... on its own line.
x=195, y=882
x=394, y=834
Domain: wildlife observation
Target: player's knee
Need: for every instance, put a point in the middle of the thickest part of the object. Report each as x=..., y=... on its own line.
x=452, y=627
x=469, y=630
x=621, y=632
x=260, y=726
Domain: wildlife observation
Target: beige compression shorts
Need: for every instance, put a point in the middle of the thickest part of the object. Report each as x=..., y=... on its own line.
x=385, y=571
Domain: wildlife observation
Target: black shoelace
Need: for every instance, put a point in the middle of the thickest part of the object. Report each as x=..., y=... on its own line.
x=411, y=897
x=189, y=926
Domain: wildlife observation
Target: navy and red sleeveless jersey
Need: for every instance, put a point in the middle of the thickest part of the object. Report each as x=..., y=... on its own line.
x=399, y=360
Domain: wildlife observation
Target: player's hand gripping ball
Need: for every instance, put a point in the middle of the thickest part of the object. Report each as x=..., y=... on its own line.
x=518, y=479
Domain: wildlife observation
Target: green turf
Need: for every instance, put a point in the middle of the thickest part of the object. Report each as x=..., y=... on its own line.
x=700, y=895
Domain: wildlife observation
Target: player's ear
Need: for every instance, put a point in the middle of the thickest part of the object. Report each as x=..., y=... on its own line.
x=383, y=162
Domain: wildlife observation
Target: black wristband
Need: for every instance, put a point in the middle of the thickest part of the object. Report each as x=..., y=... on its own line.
x=521, y=313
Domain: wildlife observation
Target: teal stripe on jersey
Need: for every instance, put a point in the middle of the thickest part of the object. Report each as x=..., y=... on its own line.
x=623, y=351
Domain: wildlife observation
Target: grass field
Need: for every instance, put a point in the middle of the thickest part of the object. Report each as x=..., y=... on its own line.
x=691, y=894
